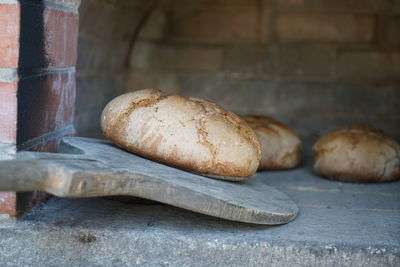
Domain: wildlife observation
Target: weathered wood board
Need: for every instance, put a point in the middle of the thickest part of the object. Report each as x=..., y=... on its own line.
x=93, y=167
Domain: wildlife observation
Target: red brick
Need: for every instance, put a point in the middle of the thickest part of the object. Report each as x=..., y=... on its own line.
x=46, y=103
x=325, y=27
x=8, y=112
x=8, y=131
x=8, y=203
x=61, y=33
x=9, y=35
x=49, y=38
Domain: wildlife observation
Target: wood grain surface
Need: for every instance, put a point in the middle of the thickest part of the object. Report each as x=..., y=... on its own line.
x=94, y=167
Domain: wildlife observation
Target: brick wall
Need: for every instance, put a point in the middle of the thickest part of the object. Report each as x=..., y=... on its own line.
x=314, y=64
x=107, y=32
x=38, y=43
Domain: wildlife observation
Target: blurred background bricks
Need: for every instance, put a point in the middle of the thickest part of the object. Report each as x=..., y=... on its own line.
x=325, y=27
x=333, y=61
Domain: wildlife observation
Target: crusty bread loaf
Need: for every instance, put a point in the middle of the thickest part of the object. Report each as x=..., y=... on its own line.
x=357, y=153
x=191, y=134
x=281, y=148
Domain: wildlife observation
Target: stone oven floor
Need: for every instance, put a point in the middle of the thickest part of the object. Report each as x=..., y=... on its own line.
x=338, y=224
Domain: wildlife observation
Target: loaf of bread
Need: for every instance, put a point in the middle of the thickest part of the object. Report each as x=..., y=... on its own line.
x=357, y=154
x=281, y=148
x=187, y=133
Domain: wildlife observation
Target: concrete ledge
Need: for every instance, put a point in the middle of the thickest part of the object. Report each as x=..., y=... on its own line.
x=339, y=224
x=64, y=5
x=8, y=75
x=7, y=151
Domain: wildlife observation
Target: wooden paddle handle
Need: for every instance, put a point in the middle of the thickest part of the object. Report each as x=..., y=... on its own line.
x=38, y=171
x=24, y=175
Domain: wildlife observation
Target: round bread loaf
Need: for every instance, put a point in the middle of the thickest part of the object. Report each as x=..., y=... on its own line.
x=357, y=153
x=281, y=148
x=188, y=133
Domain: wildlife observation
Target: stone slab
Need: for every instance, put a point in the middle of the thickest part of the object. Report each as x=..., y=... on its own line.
x=107, y=232
x=329, y=230
x=103, y=232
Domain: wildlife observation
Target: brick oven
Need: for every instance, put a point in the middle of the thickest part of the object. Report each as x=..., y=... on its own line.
x=315, y=65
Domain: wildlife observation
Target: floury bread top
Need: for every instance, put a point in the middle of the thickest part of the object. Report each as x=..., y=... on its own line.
x=357, y=153
x=188, y=133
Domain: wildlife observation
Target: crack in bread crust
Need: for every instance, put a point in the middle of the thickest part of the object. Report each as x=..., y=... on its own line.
x=210, y=109
x=204, y=114
x=117, y=128
x=240, y=125
x=203, y=139
x=246, y=132
x=119, y=121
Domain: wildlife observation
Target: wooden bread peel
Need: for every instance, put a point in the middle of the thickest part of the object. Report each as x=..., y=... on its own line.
x=94, y=167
